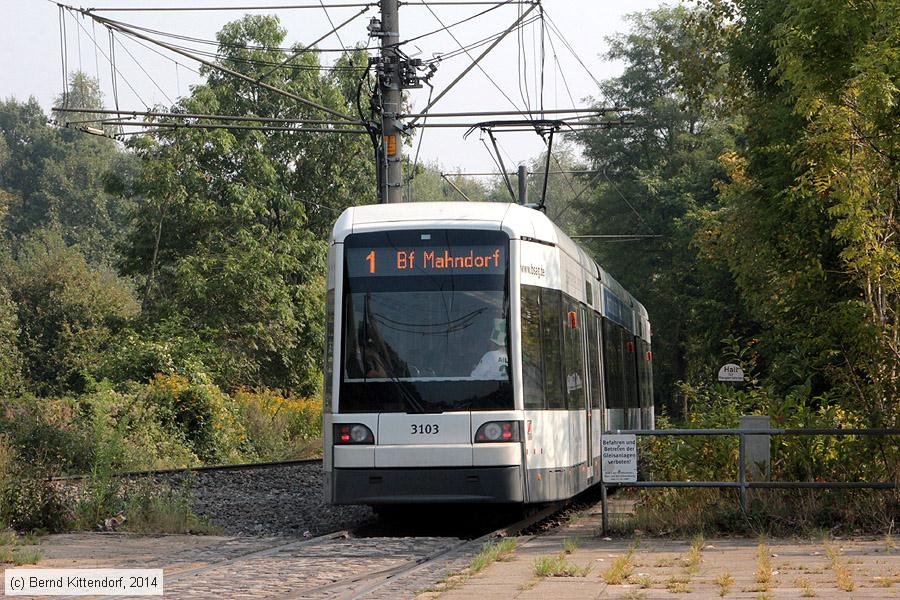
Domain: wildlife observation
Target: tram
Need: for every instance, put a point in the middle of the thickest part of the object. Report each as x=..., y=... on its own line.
x=474, y=354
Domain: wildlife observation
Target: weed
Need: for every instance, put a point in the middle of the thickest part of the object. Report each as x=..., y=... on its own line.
x=678, y=585
x=163, y=510
x=22, y=556
x=692, y=560
x=558, y=566
x=725, y=581
x=885, y=582
x=763, y=565
x=492, y=552
x=633, y=595
x=570, y=545
x=619, y=570
x=665, y=562
x=803, y=582
x=644, y=581
x=842, y=573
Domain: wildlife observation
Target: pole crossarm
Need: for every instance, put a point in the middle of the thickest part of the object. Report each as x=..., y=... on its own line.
x=236, y=127
x=129, y=31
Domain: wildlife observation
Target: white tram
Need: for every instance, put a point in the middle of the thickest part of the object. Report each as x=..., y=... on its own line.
x=475, y=353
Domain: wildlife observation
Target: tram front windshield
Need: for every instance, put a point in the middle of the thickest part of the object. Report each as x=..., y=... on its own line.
x=425, y=318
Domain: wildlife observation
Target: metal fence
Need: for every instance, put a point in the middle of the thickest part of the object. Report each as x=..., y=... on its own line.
x=742, y=483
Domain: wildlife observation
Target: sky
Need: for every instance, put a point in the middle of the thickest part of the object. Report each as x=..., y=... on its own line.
x=31, y=63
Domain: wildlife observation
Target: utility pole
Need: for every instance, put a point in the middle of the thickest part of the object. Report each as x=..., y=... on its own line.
x=388, y=102
x=395, y=72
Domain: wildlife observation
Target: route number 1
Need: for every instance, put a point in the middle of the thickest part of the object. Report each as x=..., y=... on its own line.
x=371, y=258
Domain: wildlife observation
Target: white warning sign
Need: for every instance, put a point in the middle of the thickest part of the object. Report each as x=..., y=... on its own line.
x=619, y=458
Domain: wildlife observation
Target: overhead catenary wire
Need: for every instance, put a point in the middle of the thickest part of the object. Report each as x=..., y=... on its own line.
x=224, y=69
x=296, y=53
x=114, y=71
x=141, y=67
x=224, y=8
x=208, y=42
x=186, y=115
x=475, y=64
x=451, y=25
x=171, y=125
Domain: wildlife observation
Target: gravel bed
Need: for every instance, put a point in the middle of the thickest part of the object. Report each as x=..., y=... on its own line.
x=284, y=500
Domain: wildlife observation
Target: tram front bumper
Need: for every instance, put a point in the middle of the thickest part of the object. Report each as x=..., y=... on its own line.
x=445, y=485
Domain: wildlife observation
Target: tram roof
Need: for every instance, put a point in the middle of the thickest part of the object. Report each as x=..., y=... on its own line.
x=517, y=220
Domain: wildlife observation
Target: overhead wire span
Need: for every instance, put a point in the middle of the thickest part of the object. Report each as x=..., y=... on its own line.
x=225, y=8
x=495, y=6
x=185, y=115
x=565, y=42
x=443, y=56
x=114, y=71
x=309, y=103
x=208, y=42
x=150, y=77
x=169, y=125
x=296, y=53
x=474, y=63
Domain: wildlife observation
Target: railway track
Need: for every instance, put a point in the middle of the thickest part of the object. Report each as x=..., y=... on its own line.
x=200, y=469
x=335, y=565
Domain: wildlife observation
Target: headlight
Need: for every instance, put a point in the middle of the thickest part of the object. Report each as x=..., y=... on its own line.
x=498, y=431
x=353, y=433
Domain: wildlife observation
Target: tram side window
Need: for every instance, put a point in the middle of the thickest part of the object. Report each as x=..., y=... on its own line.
x=532, y=352
x=329, y=349
x=614, y=361
x=551, y=326
x=629, y=353
x=646, y=376
x=574, y=355
x=594, y=359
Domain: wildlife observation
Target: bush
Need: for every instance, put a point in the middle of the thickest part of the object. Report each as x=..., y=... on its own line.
x=197, y=412
x=151, y=508
x=29, y=504
x=68, y=311
x=278, y=427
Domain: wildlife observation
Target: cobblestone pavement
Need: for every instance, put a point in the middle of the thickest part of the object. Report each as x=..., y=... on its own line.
x=245, y=567
x=653, y=569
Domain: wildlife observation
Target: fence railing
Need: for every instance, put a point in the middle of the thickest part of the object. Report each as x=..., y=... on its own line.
x=742, y=483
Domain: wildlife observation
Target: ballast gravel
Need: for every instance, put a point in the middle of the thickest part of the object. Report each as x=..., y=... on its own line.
x=285, y=501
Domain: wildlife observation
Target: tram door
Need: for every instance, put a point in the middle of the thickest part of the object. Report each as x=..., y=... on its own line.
x=586, y=360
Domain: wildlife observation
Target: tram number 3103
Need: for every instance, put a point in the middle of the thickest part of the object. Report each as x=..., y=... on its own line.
x=429, y=429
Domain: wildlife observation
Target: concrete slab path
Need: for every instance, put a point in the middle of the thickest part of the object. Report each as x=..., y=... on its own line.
x=656, y=569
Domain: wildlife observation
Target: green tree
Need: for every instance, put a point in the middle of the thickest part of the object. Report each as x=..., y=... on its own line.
x=810, y=224
x=53, y=177
x=10, y=357
x=427, y=185
x=67, y=310
x=229, y=236
x=657, y=177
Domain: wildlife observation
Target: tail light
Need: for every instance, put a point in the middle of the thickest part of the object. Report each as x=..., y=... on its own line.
x=498, y=431
x=353, y=433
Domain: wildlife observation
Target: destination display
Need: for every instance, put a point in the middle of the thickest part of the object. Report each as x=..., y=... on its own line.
x=424, y=260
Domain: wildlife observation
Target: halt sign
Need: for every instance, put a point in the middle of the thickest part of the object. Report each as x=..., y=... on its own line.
x=731, y=372
x=619, y=458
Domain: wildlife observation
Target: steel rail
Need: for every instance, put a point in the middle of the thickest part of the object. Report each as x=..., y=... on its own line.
x=379, y=579
x=200, y=469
